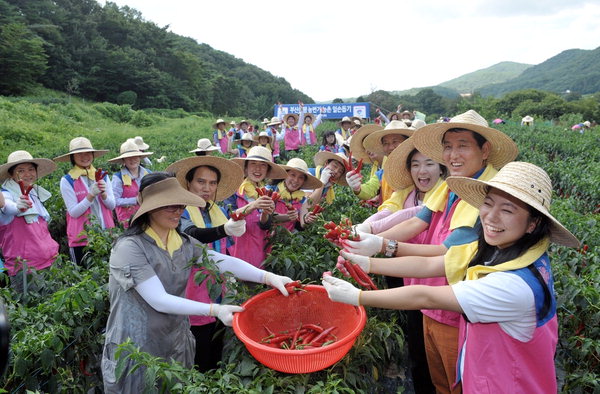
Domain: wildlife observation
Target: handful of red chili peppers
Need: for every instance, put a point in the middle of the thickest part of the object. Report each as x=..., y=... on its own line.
x=350, y=167
x=340, y=232
x=360, y=276
x=100, y=174
x=24, y=191
x=263, y=191
x=305, y=336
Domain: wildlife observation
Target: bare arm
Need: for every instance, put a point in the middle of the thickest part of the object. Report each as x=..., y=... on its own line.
x=412, y=298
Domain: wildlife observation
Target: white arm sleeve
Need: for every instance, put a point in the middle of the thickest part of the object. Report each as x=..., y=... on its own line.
x=241, y=269
x=75, y=209
x=154, y=293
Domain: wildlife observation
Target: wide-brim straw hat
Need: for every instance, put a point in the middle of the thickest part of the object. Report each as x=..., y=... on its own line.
x=163, y=194
x=527, y=119
x=129, y=149
x=205, y=145
x=373, y=143
x=311, y=182
x=260, y=153
x=356, y=144
x=344, y=120
x=412, y=116
x=244, y=121
x=286, y=116
x=246, y=137
x=140, y=143
x=524, y=181
x=309, y=115
x=274, y=121
x=80, y=145
x=231, y=178
x=417, y=124
x=265, y=121
x=263, y=134
x=394, y=169
x=214, y=125
x=389, y=116
x=429, y=139
x=44, y=166
x=323, y=157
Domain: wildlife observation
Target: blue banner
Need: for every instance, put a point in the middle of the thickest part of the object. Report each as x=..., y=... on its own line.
x=330, y=111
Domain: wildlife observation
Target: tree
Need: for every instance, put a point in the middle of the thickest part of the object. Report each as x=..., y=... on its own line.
x=338, y=101
x=22, y=58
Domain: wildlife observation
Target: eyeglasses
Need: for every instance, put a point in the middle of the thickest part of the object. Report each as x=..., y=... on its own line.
x=173, y=208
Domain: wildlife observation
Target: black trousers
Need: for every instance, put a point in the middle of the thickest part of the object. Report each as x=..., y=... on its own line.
x=209, y=345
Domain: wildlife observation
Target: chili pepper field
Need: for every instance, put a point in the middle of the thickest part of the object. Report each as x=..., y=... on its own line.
x=57, y=325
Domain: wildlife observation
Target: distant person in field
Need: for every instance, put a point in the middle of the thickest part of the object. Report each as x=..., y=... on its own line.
x=329, y=142
x=204, y=148
x=143, y=147
x=345, y=131
x=527, y=121
x=265, y=140
x=126, y=182
x=244, y=144
x=220, y=135
x=84, y=196
x=390, y=116
x=309, y=125
x=330, y=169
x=273, y=129
x=24, y=236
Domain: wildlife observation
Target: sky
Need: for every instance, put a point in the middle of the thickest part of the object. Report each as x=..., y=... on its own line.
x=343, y=49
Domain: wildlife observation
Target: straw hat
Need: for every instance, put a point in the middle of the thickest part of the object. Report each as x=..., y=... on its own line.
x=260, y=153
x=232, y=123
x=140, y=143
x=412, y=116
x=232, y=175
x=429, y=139
x=323, y=157
x=274, y=121
x=394, y=168
x=80, y=145
x=389, y=116
x=524, y=181
x=214, y=125
x=286, y=116
x=356, y=122
x=344, y=120
x=309, y=115
x=311, y=182
x=527, y=119
x=265, y=121
x=263, y=134
x=44, y=166
x=129, y=149
x=164, y=193
x=356, y=144
x=244, y=121
x=246, y=137
x=373, y=143
x=204, y=145
x=417, y=124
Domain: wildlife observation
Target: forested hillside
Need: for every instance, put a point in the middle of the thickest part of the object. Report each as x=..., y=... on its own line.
x=497, y=73
x=110, y=53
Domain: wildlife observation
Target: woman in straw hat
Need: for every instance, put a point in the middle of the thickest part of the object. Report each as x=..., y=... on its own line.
x=244, y=144
x=273, y=130
x=204, y=147
x=126, y=182
x=330, y=169
x=258, y=166
x=265, y=140
x=501, y=283
x=292, y=134
x=309, y=124
x=23, y=217
x=292, y=209
x=220, y=135
x=84, y=195
x=468, y=147
x=345, y=131
x=149, y=271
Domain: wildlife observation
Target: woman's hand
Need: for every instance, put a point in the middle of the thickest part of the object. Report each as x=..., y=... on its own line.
x=264, y=203
x=310, y=218
x=292, y=215
x=339, y=290
x=224, y=312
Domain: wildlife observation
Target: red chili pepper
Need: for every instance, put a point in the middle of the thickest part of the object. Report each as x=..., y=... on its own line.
x=24, y=190
x=365, y=278
x=330, y=225
x=351, y=268
x=259, y=191
x=266, y=192
x=238, y=216
x=323, y=334
x=318, y=209
x=359, y=165
x=100, y=174
x=313, y=327
x=275, y=196
x=348, y=164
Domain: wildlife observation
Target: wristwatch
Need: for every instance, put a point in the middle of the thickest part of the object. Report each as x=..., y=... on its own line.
x=391, y=248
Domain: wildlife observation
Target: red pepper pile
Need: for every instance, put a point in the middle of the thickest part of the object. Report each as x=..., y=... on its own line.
x=305, y=336
x=100, y=174
x=350, y=167
x=317, y=209
x=357, y=274
x=263, y=191
x=369, y=203
x=340, y=232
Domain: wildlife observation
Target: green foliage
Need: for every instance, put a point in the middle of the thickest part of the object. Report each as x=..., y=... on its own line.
x=127, y=97
x=497, y=73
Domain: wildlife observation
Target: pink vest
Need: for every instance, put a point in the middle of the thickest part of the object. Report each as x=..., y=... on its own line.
x=75, y=226
x=31, y=242
x=251, y=246
x=495, y=362
x=311, y=133
x=125, y=212
x=291, y=139
x=438, y=231
x=417, y=239
x=275, y=142
x=281, y=208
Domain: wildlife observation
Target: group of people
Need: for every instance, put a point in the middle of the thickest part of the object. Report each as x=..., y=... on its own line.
x=463, y=228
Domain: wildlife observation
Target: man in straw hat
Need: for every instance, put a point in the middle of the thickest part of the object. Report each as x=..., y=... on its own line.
x=23, y=218
x=86, y=192
x=258, y=209
x=204, y=147
x=468, y=147
x=149, y=271
x=220, y=135
x=501, y=283
x=126, y=182
x=330, y=169
x=309, y=124
x=345, y=131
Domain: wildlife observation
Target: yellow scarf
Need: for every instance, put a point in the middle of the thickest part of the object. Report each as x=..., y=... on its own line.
x=308, y=127
x=127, y=178
x=220, y=133
x=248, y=189
x=287, y=196
x=458, y=257
x=464, y=214
x=77, y=171
x=174, y=240
x=330, y=196
x=386, y=189
x=217, y=217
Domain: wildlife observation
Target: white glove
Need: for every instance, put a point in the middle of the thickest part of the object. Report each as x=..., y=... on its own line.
x=341, y=291
x=235, y=229
x=364, y=228
x=277, y=282
x=224, y=312
x=95, y=190
x=364, y=262
x=369, y=245
x=325, y=175
x=23, y=204
x=354, y=179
